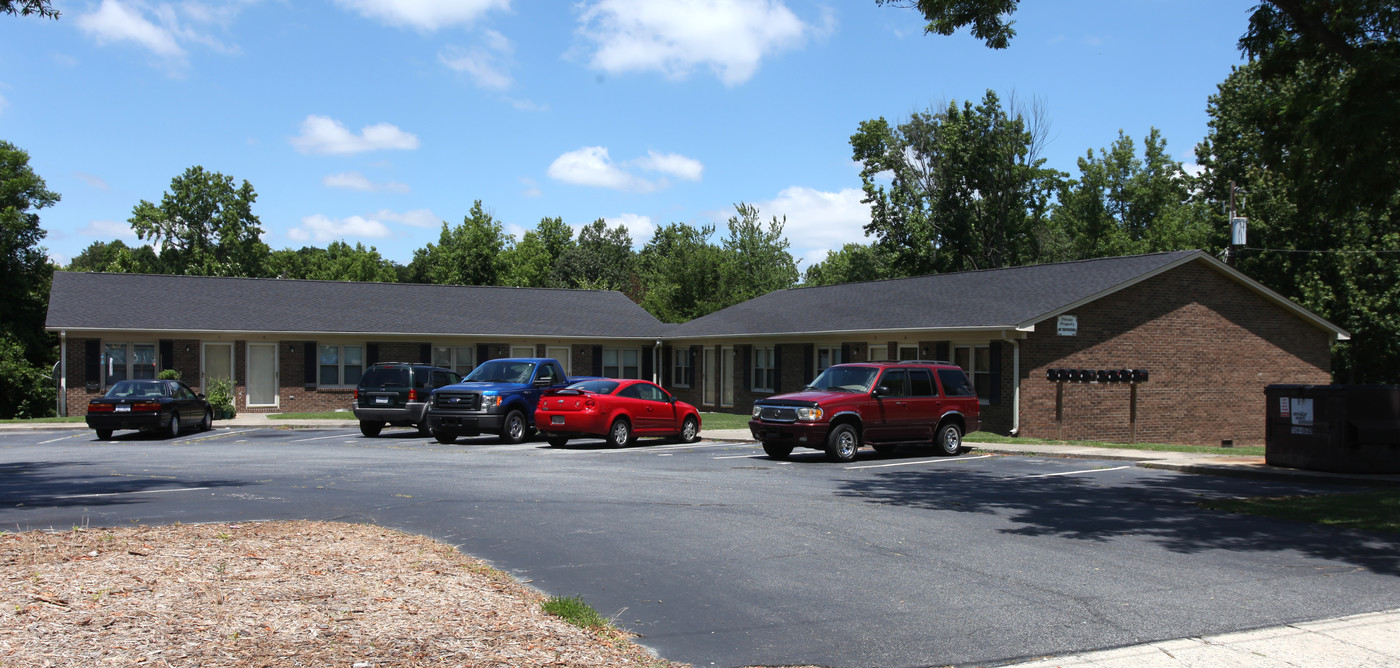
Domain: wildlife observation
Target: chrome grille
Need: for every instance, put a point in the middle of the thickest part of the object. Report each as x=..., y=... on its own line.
x=456, y=401
x=778, y=413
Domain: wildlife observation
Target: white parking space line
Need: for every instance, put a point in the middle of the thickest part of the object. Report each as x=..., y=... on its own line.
x=663, y=448
x=921, y=461
x=218, y=435
x=144, y=491
x=55, y=440
x=319, y=438
x=741, y=457
x=1050, y=475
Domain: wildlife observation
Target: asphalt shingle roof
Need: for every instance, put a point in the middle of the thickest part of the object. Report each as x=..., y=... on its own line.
x=994, y=298
x=198, y=303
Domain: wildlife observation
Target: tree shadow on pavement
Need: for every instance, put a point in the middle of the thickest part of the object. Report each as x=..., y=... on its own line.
x=33, y=485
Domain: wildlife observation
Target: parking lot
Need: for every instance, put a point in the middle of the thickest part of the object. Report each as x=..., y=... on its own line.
x=718, y=555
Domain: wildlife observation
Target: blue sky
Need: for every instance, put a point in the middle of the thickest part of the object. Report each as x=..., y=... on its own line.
x=376, y=120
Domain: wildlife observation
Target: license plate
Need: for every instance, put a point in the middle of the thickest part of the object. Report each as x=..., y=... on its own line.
x=556, y=419
x=123, y=408
x=381, y=400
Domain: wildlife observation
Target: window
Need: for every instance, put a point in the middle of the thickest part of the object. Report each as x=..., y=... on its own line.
x=907, y=353
x=764, y=369
x=123, y=361
x=522, y=351
x=895, y=383
x=920, y=383
x=684, y=375
x=977, y=362
x=954, y=383
x=553, y=372
x=341, y=365
x=622, y=363
x=827, y=357
x=561, y=353
x=456, y=358
x=726, y=377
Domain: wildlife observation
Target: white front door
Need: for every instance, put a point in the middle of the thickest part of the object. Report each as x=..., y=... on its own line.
x=218, y=363
x=262, y=374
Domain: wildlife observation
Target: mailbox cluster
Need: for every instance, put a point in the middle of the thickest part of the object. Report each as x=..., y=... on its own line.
x=1099, y=376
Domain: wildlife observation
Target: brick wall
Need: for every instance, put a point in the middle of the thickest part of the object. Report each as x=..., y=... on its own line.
x=1210, y=344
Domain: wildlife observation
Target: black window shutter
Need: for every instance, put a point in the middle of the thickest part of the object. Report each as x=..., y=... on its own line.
x=425, y=353
x=941, y=351
x=845, y=352
x=809, y=352
x=167, y=354
x=690, y=370
x=667, y=366
x=748, y=368
x=777, y=367
x=92, y=361
x=648, y=365
x=597, y=360
x=483, y=352
x=371, y=353
x=309, y=364
x=994, y=391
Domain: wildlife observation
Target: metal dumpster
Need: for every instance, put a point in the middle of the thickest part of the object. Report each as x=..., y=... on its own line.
x=1337, y=428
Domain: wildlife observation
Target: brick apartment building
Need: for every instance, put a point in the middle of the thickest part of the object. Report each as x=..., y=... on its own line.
x=1209, y=337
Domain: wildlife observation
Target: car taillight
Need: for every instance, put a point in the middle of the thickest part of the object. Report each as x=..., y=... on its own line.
x=101, y=408
x=413, y=395
x=590, y=404
x=146, y=406
x=357, y=393
x=541, y=406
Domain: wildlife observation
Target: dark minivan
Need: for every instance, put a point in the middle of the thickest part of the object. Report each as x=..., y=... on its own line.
x=396, y=394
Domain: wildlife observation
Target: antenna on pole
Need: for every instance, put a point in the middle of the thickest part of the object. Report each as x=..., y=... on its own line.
x=1238, y=227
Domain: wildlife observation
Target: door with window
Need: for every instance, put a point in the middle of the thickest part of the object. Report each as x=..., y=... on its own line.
x=708, y=377
x=726, y=377
x=262, y=375
x=218, y=363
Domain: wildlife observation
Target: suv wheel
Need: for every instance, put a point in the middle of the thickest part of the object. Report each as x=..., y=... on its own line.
x=513, y=430
x=949, y=439
x=776, y=451
x=842, y=443
x=370, y=429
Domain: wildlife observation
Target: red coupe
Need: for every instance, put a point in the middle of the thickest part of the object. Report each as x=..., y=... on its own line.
x=618, y=410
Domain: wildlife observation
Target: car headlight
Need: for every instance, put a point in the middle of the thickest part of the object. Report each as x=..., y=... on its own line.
x=810, y=414
x=757, y=410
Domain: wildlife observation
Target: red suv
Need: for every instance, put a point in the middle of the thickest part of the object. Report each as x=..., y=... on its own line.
x=880, y=403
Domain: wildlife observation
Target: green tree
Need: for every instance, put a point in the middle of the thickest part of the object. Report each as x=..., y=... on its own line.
x=116, y=257
x=967, y=188
x=601, y=260
x=531, y=262
x=338, y=261
x=1123, y=205
x=43, y=8
x=1343, y=263
x=756, y=258
x=987, y=17
x=204, y=226
x=679, y=269
x=27, y=350
x=468, y=254
x=853, y=263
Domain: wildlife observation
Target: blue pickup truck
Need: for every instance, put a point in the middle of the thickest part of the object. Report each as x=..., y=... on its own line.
x=498, y=397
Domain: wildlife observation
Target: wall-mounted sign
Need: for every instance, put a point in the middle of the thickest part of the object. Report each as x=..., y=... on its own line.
x=1067, y=325
x=1302, y=411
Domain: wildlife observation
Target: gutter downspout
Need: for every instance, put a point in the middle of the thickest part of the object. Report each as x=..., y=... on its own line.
x=63, y=373
x=1016, y=383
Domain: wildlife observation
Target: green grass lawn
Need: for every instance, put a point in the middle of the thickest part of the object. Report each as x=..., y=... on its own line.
x=1371, y=511
x=988, y=437
x=723, y=421
x=41, y=420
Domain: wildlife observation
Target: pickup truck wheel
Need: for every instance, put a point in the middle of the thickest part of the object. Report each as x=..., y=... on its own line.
x=842, y=443
x=444, y=437
x=370, y=428
x=949, y=439
x=513, y=429
x=619, y=434
x=690, y=430
x=776, y=451
x=557, y=441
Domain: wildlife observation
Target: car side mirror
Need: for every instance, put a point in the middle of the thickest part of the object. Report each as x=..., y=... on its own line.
x=544, y=381
x=200, y=396
x=880, y=391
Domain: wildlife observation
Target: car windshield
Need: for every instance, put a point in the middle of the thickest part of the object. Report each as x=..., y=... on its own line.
x=385, y=376
x=502, y=371
x=137, y=388
x=845, y=378
x=595, y=386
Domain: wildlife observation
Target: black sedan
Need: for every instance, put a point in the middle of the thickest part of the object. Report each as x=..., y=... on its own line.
x=149, y=405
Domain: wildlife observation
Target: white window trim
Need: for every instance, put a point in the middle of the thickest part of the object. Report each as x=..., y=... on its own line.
x=564, y=361
x=276, y=374
x=452, y=362
x=972, y=372
x=709, y=391
x=833, y=354
x=339, y=364
x=772, y=366
x=130, y=358
x=726, y=376
x=678, y=370
x=621, y=362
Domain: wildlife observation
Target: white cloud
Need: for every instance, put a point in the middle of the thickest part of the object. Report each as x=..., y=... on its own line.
x=164, y=29
x=426, y=15
x=639, y=227
x=486, y=63
x=532, y=189
x=592, y=166
x=327, y=136
x=321, y=228
x=92, y=180
x=730, y=37
x=416, y=217
x=108, y=229
x=819, y=222
x=674, y=164
x=357, y=181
